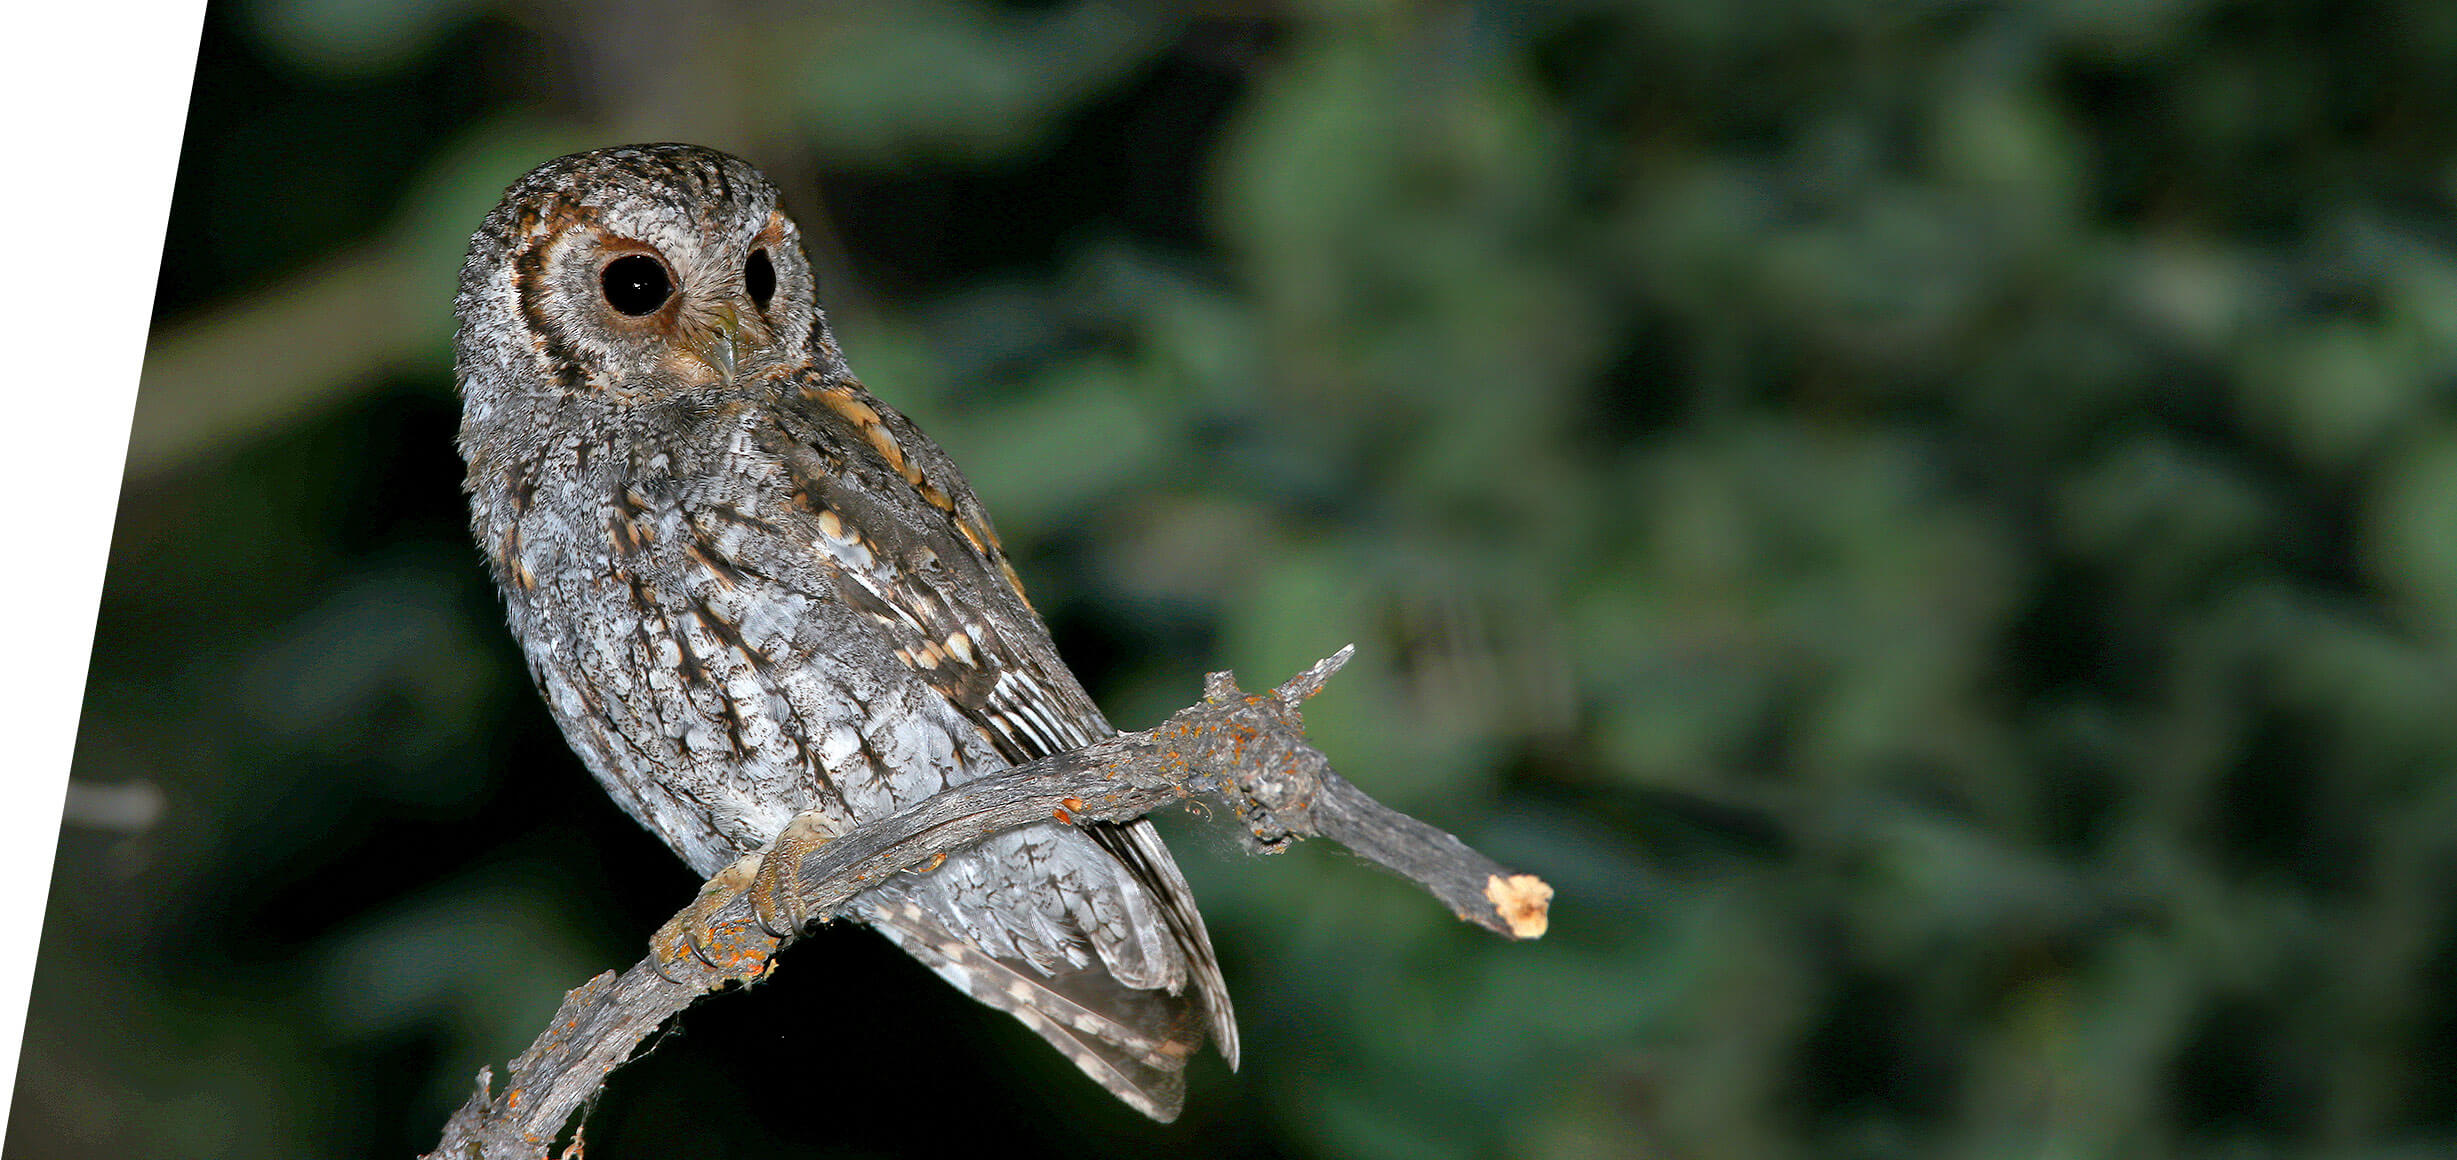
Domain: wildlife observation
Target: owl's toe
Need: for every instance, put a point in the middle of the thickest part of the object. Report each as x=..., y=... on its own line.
x=700, y=942
x=776, y=890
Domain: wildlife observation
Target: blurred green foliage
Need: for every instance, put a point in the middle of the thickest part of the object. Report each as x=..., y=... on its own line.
x=1933, y=525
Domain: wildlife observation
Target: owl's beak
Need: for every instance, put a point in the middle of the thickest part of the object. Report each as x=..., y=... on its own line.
x=721, y=344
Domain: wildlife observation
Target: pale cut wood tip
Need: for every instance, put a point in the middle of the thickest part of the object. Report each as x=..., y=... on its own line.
x=1522, y=901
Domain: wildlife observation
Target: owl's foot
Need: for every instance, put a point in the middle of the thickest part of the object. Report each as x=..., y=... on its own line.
x=696, y=941
x=776, y=889
x=740, y=947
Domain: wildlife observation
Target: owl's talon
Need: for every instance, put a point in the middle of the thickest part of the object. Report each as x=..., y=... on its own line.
x=700, y=939
x=776, y=889
x=731, y=950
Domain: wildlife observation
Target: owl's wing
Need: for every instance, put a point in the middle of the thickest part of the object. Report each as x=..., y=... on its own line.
x=1132, y=1041
x=1138, y=847
x=915, y=553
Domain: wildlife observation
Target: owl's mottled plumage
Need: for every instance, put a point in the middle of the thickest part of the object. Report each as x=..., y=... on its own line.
x=749, y=589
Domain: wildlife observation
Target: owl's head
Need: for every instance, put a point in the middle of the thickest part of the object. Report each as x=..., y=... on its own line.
x=628, y=276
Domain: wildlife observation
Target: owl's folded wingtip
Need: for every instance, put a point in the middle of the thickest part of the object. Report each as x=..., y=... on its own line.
x=1133, y=1042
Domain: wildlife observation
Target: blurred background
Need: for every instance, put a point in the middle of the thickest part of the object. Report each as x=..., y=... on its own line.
x=1934, y=525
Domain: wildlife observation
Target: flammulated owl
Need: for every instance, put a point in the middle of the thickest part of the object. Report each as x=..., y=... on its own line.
x=756, y=597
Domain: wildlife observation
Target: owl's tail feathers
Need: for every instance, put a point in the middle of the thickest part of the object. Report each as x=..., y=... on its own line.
x=1133, y=1042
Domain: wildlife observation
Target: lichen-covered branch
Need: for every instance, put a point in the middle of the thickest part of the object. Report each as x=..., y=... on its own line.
x=1245, y=751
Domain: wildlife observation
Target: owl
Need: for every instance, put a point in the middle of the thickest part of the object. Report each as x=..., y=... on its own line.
x=753, y=595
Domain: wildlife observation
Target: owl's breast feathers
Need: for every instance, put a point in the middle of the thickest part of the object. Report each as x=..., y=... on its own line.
x=796, y=624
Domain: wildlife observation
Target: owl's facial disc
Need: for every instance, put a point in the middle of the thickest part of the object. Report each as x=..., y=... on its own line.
x=697, y=311
x=707, y=303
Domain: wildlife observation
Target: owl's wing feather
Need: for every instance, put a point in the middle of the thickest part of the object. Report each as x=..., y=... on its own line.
x=1131, y=1041
x=1138, y=845
x=930, y=576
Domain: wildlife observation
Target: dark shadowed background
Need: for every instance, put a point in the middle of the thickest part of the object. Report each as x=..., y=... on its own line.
x=1934, y=525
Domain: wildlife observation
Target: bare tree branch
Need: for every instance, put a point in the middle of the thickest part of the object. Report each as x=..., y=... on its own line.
x=1247, y=751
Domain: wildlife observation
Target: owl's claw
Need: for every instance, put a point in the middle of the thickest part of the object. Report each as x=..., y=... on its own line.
x=734, y=950
x=741, y=948
x=776, y=891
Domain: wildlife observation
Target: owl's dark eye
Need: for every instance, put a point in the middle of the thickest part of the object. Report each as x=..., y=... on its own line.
x=759, y=277
x=636, y=284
